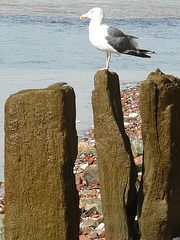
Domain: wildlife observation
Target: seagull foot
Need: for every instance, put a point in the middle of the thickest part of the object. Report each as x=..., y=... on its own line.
x=104, y=69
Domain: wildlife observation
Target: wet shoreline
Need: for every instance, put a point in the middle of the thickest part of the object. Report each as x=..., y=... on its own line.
x=152, y=9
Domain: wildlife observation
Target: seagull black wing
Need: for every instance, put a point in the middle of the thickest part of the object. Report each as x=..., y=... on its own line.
x=124, y=43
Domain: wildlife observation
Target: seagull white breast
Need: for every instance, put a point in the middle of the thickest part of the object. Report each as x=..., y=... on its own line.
x=97, y=36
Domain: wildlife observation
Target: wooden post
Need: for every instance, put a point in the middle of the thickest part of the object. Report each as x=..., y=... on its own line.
x=40, y=150
x=116, y=166
x=160, y=193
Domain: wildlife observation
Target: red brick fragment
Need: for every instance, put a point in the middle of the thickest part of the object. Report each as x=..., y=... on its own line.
x=80, y=185
x=94, y=190
x=83, y=231
x=94, y=185
x=102, y=235
x=90, y=161
x=94, y=195
x=89, y=195
x=95, y=216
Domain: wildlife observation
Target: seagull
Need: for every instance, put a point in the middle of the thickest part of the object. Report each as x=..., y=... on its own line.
x=109, y=39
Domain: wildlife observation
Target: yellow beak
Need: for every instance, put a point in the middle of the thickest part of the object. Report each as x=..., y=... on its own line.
x=83, y=16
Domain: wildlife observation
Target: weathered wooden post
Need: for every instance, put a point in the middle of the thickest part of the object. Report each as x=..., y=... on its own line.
x=116, y=166
x=160, y=112
x=40, y=150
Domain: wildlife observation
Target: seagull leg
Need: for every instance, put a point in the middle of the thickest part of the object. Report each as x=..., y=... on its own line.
x=107, y=67
x=107, y=60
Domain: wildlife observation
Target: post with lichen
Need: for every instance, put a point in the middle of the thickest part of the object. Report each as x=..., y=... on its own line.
x=115, y=161
x=40, y=150
x=159, y=210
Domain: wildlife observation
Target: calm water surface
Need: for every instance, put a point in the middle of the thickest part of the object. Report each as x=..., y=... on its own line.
x=43, y=42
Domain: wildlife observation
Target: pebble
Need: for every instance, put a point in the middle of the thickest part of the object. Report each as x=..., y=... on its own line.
x=101, y=226
x=83, y=237
x=84, y=166
x=93, y=235
x=2, y=209
x=138, y=160
x=102, y=235
x=133, y=115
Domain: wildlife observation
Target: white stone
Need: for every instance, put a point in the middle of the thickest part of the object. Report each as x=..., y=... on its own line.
x=84, y=166
x=133, y=115
x=100, y=226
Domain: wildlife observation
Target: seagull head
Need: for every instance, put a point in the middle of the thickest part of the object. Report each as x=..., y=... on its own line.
x=95, y=14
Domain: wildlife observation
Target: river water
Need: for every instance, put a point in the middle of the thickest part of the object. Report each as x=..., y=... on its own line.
x=43, y=42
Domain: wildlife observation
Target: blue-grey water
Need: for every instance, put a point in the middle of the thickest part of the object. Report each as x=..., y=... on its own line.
x=43, y=42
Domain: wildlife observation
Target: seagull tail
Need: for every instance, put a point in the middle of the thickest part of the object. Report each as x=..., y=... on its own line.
x=140, y=53
x=146, y=51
